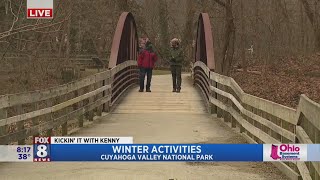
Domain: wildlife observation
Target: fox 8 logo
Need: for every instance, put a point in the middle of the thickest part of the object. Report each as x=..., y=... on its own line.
x=41, y=149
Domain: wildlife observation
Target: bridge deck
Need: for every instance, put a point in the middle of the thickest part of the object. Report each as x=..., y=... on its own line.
x=157, y=117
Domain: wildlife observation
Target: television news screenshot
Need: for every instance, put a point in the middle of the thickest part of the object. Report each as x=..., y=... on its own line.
x=160, y=89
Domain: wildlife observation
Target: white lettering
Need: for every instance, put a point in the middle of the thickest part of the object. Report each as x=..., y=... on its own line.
x=47, y=13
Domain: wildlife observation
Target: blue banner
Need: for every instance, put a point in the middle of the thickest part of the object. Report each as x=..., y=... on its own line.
x=156, y=152
x=313, y=152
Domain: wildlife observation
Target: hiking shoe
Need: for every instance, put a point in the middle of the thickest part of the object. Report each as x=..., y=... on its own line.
x=178, y=91
x=140, y=90
x=148, y=90
x=174, y=90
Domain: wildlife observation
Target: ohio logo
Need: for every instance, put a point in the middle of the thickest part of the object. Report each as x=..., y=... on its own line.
x=285, y=152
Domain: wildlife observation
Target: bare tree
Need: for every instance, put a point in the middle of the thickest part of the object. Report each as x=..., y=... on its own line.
x=243, y=38
x=313, y=16
x=164, y=29
x=228, y=49
x=188, y=31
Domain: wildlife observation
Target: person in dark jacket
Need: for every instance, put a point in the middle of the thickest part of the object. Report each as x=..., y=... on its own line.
x=176, y=60
x=146, y=61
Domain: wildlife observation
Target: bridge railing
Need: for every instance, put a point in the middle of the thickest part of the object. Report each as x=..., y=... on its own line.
x=260, y=120
x=60, y=109
x=81, y=61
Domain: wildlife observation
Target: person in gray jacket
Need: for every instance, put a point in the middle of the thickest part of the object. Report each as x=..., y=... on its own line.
x=176, y=61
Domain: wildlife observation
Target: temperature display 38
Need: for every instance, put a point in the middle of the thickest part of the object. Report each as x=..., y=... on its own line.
x=16, y=153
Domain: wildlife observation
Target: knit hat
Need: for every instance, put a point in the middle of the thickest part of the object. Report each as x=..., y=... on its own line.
x=175, y=41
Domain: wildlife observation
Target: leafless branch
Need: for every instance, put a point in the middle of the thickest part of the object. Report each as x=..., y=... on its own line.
x=4, y=41
x=48, y=32
x=308, y=11
x=16, y=17
x=2, y=35
x=27, y=40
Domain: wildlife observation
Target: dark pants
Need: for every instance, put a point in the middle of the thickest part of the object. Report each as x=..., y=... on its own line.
x=143, y=72
x=176, y=77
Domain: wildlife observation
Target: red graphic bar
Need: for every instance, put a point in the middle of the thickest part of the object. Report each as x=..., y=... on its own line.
x=37, y=13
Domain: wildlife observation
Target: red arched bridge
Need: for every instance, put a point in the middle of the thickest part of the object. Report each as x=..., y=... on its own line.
x=212, y=108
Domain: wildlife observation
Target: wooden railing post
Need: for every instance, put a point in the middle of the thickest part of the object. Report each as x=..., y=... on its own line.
x=20, y=124
x=91, y=100
x=49, y=117
x=64, y=126
x=213, y=108
x=192, y=71
x=35, y=121
x=95, y=97
x=232, y=119
x=219, y=98
x=228, y=102
x=99, y=108
x=3, y=129
x=214, y=96
x=224, y=100
x=64, y=129
x=242, y=129
x=105, y=106
x=80, y=105
x=109, y=81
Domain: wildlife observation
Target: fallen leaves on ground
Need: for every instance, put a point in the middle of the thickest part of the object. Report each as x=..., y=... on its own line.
x=284, y=81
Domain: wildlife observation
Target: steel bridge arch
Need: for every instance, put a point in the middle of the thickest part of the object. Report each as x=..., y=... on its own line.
x=204, y=42
x=125, y=41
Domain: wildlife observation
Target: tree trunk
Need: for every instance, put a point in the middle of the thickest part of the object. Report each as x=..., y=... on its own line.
x=228, y=49
x=313, y=18
x=256, y=43
x=243, y=39
x=164, y=29
x=302, y=44
x=188, y=33
x=68, y=45
x=318, y=40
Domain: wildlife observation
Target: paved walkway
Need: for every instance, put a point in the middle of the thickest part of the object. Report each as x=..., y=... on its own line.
x=157, y=117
